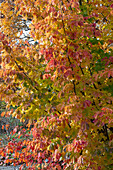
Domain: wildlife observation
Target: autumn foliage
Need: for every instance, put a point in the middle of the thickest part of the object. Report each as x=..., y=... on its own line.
x=59, y=76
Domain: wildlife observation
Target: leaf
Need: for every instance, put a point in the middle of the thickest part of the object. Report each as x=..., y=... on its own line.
x=21, y=32
x=3, y=114
x=2, y=126
x=7, y=126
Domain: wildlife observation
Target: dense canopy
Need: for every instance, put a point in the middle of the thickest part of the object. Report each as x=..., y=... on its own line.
x=57, y=72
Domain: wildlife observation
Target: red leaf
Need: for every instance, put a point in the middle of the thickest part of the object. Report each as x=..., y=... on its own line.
x=21, y=32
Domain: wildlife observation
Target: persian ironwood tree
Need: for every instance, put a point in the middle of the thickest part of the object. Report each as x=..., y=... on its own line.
x=63, y=83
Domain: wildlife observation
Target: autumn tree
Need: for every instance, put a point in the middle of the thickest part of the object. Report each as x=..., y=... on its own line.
x=63, y=83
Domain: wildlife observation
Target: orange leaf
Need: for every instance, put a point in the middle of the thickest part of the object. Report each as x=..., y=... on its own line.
x=7, y=126
x=2, y=114
x=2, y=126
x=16, y=154
x=111, y=12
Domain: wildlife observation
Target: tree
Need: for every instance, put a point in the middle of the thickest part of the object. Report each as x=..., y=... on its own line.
x=63, y=83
